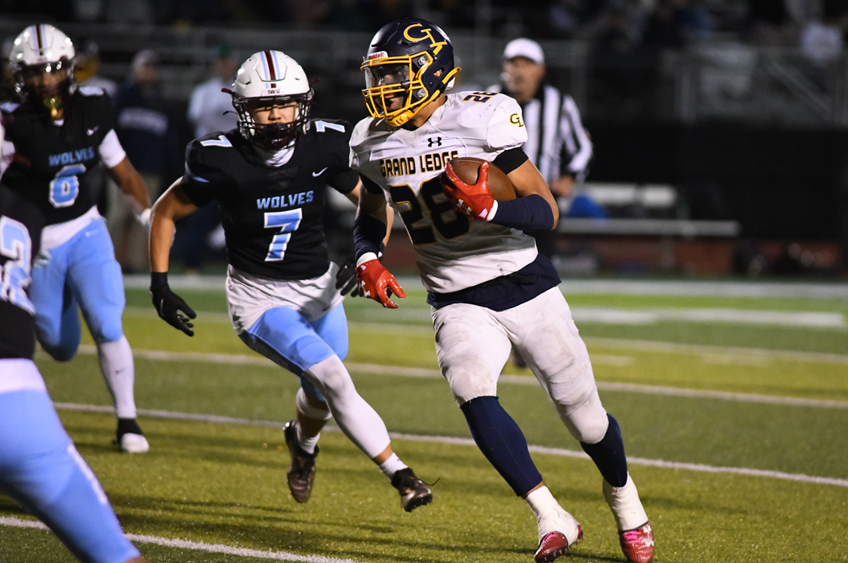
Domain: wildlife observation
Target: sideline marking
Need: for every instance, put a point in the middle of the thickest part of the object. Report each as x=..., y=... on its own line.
x=201, y=357
x=197, y=546
x=469, y=442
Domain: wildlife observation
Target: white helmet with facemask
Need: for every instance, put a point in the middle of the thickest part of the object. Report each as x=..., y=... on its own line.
x=271, y=76
x=43, y=49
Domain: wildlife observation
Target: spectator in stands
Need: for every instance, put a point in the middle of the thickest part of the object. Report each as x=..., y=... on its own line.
x=821, y=38
x=210, y=109
x=88, y=64
x=145, y=127
x=85, y=72
x=556, y=141
x=7, y=80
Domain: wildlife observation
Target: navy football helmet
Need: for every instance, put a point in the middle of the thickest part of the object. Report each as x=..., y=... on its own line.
x=408, y=65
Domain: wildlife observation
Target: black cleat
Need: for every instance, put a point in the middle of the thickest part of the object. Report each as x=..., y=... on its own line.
x=130, y=438
x=301, y=474
x=413, y=491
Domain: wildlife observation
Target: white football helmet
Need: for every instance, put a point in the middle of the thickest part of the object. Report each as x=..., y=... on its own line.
x=267, y=76
x=43, y=49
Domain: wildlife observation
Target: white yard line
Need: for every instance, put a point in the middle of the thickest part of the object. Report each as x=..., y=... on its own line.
x=469, y=442
x=255, y=360
x=718, y=288
x=614, y=316
x=703, y=349
x=196, y=545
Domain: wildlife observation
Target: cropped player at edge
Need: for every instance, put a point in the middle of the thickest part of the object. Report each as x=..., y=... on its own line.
x=58, y=136
x=488, y=287
x=39, y=466
x=270, y=178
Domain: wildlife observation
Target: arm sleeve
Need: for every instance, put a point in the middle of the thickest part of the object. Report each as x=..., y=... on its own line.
x=111, y=151
x=201, y=182
x=343, y=179
x=370, y=186
x=576, y=146
x=510, y=159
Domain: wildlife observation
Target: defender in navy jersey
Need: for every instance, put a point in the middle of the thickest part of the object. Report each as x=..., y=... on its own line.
x=39, y=466
x=55, y=140
x=270, y=178
x=488, y=286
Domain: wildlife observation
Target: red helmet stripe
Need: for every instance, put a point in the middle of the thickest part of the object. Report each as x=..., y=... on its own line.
x=39, y=41
x=271, y=65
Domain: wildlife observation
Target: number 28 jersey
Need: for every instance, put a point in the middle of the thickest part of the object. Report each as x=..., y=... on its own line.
x=273, y=216
x=453, y=251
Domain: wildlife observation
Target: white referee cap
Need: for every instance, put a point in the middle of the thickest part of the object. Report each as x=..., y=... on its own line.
x=523, y=47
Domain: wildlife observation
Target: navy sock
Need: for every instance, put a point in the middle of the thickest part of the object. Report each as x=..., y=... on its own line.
x=608, y=455
x=502, y=442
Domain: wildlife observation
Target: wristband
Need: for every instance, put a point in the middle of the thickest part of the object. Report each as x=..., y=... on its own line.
x=144, y=218
x=367, y=257
x=158, y=279
x=492, y=211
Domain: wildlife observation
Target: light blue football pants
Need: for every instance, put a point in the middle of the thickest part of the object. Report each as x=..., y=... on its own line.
x=86, y=265
x=286, y=337
x=41, y=469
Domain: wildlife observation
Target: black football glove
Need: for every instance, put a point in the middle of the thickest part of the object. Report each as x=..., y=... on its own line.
x=168, y=304
x=346, y=278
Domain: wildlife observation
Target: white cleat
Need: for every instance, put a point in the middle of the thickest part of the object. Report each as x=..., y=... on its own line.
x=130, y=437
x=134, y=444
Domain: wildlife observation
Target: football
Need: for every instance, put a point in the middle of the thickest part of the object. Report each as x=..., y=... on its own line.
x=500, y=185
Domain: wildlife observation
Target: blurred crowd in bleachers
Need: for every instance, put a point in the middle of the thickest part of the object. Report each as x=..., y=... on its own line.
x=666, y=23
x=618, y=74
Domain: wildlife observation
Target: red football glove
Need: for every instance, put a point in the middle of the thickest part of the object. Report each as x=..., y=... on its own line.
x=377, y=283
x=474, y=200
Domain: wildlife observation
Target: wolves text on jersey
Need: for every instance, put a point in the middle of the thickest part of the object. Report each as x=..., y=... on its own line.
x=72, y=157
x=406, y=166
x=284, y=201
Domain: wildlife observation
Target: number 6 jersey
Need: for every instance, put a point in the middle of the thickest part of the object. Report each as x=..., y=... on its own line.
x=52, y=161
x=453, y=251
x=273, y=215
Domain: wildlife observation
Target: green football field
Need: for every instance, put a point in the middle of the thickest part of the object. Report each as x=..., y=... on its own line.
x=734, y=411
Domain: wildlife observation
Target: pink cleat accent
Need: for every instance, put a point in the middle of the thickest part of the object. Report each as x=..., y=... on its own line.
x=638, y=544
x=554, y=545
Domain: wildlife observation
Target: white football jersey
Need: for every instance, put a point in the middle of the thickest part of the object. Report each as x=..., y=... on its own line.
x=453, y=251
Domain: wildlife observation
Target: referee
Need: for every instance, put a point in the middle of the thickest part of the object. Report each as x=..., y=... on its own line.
x=556, y=141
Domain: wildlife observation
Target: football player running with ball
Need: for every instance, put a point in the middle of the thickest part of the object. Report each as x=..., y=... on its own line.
x=270, y=178
x=488, y=287
x=55, y=140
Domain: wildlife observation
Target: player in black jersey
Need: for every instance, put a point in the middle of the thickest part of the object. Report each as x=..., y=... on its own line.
x=270, y=176
x=39, y=466
x=56, y=139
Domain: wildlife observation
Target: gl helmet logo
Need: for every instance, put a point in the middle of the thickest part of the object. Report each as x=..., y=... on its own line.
x=427, y=33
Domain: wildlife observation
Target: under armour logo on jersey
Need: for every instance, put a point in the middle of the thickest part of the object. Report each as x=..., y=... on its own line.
x=431, y=141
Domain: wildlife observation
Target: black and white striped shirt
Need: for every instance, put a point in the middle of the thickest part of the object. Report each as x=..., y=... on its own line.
x=556, y=141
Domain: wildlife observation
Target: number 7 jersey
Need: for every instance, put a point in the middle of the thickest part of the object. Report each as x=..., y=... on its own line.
x=273, y=215
x=453, y=251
